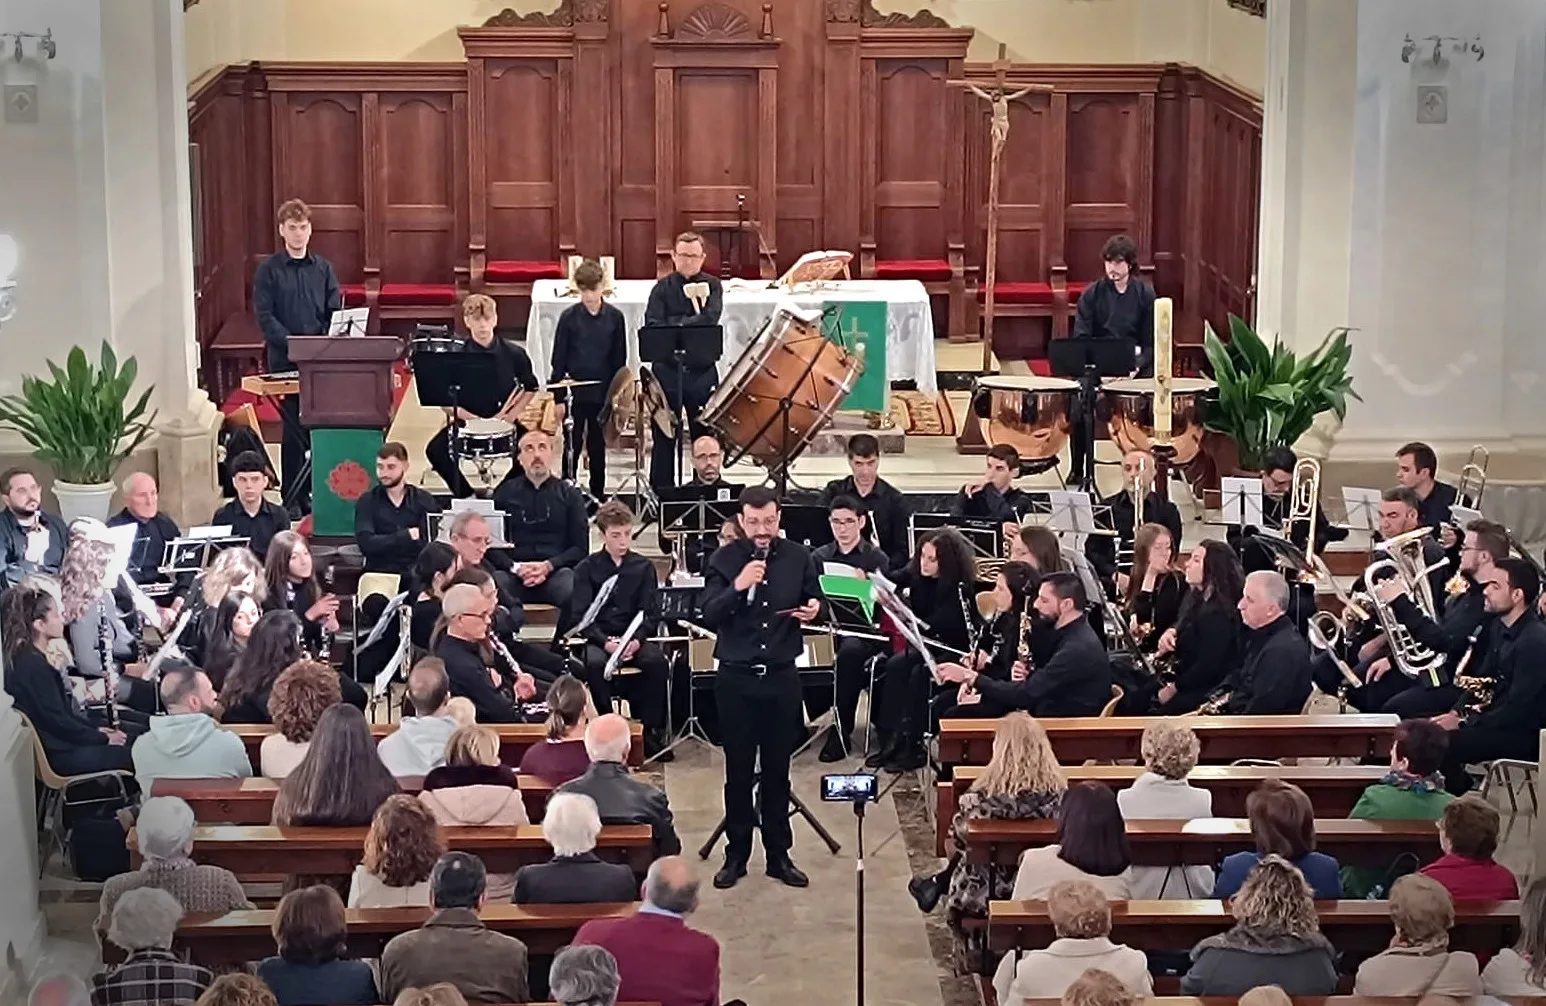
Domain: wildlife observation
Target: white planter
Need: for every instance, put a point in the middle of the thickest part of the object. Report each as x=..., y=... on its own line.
x=76, y=500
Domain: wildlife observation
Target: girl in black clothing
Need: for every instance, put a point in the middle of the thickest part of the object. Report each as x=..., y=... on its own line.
x=1152, y=601
x=943, y=578
x=998, y=651
x=432, y=574
x=292, y=583
x=29, y=622
x=234, y=569
x=275, y=645
x=229, y=631
x=1204, y=645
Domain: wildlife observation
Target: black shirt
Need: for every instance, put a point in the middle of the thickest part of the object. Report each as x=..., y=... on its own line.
x=990, y=504
x=1462, y=616
x=589, y=347
x=543, y=522
x=259, y=529
x=1207, y=649
x=1516, y=660
x=1434, y=511
x=513, y=368
x=887, y=510
x=40, y=693
x=1254, y=557
x=1075, y=681
x=637, y=589
x=1275, y=676
x=865, y=556
x=750, y=632
x=150, y=538
x=381, y=528
x=668, y=305
x=421, y=625
x=469, y=677
x=293, y=296
x=1101, y=549
x=1104, y=313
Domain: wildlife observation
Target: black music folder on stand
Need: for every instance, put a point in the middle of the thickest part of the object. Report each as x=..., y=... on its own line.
x=805, y=523
x=688, y=346
x=1087, y=361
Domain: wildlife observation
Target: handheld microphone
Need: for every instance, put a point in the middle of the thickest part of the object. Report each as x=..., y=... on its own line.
x=761, y=555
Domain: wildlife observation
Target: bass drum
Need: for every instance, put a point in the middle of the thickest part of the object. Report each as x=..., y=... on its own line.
x=789, y=358
x=1028, y=412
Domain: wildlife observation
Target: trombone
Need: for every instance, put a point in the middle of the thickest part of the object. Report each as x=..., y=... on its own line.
x=1473, y=478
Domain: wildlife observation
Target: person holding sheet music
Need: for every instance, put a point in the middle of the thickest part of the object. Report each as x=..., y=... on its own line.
x=852, y=548
x=673, y=302
x=1106, y=553
x=391, y=519
x=994, y=496
x=153, y=529
x=941, y=582
x=545, y=525
x=250, y=515
x=884, y=504
x=635, y=593
x=1075, y=680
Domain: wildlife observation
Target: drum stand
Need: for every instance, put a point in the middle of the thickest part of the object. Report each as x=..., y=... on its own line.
x=637, y=481
x=571, y=459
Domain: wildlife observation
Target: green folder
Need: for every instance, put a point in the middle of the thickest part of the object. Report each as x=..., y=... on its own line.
x=850, y=588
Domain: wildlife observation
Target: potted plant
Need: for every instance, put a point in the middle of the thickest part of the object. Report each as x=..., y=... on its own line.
x=80, y=423
x=1269, y=397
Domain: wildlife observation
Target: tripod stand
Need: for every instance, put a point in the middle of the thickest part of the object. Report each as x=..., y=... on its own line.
x=796, y=806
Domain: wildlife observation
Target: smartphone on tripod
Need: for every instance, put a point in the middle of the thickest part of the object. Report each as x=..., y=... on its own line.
x=854, y=787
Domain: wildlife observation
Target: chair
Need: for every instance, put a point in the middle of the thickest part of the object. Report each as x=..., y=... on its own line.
x=1110, y=708
x=1502, y=770
x=54, y=798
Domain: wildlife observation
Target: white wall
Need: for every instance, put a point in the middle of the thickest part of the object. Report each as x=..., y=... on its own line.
x=1447, y=332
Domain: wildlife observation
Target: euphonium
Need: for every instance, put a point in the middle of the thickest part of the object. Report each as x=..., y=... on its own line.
x=1404, y=560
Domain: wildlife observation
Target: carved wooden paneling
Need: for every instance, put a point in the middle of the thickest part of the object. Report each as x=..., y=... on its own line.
x=319, y=156
x=523, y=176
x=419, y=182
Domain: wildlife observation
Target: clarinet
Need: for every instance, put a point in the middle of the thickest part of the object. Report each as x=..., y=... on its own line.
x=109, y=665
x=507, y=683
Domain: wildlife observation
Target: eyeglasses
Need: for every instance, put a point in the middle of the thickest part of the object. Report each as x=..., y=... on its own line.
x=482, y=616
x=843, y=521
x=761, y=523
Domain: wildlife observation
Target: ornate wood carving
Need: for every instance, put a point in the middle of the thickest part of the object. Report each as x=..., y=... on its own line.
x=872, y=18
x=715, y=22
x=590, y=11
x=562, y=17
x=843, y=11
x=1257, y=8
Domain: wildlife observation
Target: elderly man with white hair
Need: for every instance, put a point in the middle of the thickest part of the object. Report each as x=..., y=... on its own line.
x=467, y=614
x=584, y=976
x=1275, y=675
x=620, y=798
x=144, y=922
x=575, y=875
x=152, y=528
x=165, y=834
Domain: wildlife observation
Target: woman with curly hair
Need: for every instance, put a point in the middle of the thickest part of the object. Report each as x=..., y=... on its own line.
x=1276, y=940
x=340, y=782
x=942, y=581
x=1081, y=918
x=1169, y=749
x=88, y=607
x=237, y=990
x=1022, y=782
x=401, y=848
x=303, y=692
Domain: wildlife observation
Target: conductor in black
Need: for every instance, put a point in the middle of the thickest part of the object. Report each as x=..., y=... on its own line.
x=758, y=591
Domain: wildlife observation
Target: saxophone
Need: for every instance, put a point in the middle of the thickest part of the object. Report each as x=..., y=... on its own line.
x=1478, y=690
x=1215, y=703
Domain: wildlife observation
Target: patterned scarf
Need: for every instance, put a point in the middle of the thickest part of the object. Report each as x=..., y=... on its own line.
x=1415, y=783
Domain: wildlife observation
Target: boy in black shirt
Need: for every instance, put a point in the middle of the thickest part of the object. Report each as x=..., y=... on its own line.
x=249, y=515
x=590, y=345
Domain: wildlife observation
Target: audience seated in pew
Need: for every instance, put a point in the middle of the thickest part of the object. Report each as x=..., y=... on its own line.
x=1100, y=988
x=1520, y=970
x=303, y=691
x=402, y=847
x=1021, y=782
x=1092, y=845
x=164, y=832
x=418, y=746
x=275, y=645
x=1282, y=824
x=473, y=789
x=143, y=924
x=1419, y=961
x=659, y=932
x=237, y=990
x=562, y=755
x=1170, y=752
x=1276, y=939
x=584, y=976
x=1468, y=836
x=575, y=875
x=341, y=781
x=1081, y=917
x=1413, y=791
x=454, y=946
x=620, y=798
x=185, y=742
x=312, y=967
x=1266, y=995
x=439, y=994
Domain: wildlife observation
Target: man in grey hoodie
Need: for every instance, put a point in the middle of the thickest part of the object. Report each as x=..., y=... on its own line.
x=418, y=745
x=186, y=742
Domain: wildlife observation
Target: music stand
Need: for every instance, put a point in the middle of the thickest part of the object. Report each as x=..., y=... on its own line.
x=449, y=379
x=1240, y=501
x=1087, y=361
x=695, y=346
x=806, y=523
x=349, y=321
x=1363, y=508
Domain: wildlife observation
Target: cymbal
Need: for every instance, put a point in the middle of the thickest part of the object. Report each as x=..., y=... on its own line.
x=570, y=382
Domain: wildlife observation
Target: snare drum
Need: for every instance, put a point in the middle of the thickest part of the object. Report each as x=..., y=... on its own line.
x=486, y=439
x=789, y=358
x=1028, y=412
x=1130, y=405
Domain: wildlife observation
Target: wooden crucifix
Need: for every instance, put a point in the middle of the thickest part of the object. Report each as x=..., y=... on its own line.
x=998, y=96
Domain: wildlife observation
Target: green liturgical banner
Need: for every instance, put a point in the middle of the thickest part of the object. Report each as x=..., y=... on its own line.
x=855, y=323
x=343, y=468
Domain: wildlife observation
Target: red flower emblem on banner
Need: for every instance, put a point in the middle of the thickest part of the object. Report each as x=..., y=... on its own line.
x=348, y=480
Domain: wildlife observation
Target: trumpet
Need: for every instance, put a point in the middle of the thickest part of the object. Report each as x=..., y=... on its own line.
x=1473, y=478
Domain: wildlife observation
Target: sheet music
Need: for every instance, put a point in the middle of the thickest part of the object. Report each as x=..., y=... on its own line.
x=838, y=569
x=1363, y=507
x=485, y=508
x=209, y=531
x=387, y=619
x=1072, y=511
x=1242, y=501
x=1463, y=515
x=595, y=606
x=349, y=321
x=622, y=644
x=122, y=539
x=907, y=623
x=388, y=673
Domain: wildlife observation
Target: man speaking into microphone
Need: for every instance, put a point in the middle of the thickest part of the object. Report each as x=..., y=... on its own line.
x=757, y=593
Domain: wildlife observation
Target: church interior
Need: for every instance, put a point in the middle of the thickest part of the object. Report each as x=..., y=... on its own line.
x=1296, y=168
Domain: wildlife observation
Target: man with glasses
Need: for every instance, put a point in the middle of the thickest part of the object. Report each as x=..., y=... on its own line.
x=467, y=613
x=1277, y=483
x=545, y=524
x=470, y=536
x=848, y=547
x=884, y=504
x=673, y=302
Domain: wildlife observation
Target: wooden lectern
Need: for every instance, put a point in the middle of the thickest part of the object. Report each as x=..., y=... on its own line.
x=346, y=404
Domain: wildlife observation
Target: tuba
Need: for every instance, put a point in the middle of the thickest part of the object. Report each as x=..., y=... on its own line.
x=1404, y=560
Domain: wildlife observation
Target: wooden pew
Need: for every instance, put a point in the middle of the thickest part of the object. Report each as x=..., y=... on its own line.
x=251, y=801
x=1332, y=789
x=514, y=739
x=1353, y=927
x=238, y=937
x=1205, y=841
x=261, y=852
x=1223, y=738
